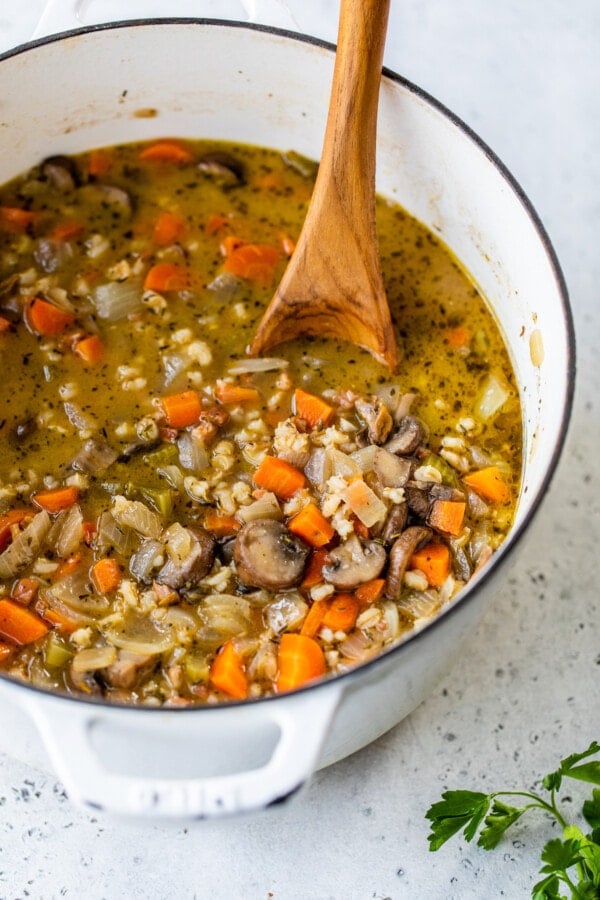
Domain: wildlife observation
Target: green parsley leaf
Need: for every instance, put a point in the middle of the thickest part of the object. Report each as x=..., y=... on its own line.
x=501, y=817
x=455, y=810
x=560, y=855
x=552, y=782
x=547, y=889
x=591, y=809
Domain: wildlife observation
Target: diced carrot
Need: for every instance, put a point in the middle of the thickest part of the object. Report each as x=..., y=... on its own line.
x=313, y=410
x=56, y=617
x=370, y=591
x=489, y=484
x=167, y=151
x=254, y=262
x=459, y=336
x=67, y=567
x=230, y=243
x=278, y=476
x=360, y=529
x=269, y=181
x=447, y=516
x=311, y=525
x=106, y=575
x=99, y=162
x=46, y=319
x=342, y=612
x=228, y=674
x=6, y=651
x=181, y=410
x=220, y=524
x=56, y=500
x=300, y=659
x=217, y=223
x=313, y=574
x=166, y=276
x=67, y=231
x=8, y=520
x=228, y=393
x=90, y=349
x=314, y=618
x=19, y=624
x=168, y=228
x=25, y=590
x=5, y=325
x=433, y=561
x=13, y=218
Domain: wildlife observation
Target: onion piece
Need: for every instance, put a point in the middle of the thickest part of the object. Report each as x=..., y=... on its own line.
x=193, y=455
x=117, y=299
x=93, y=658
x=148, y=556
x=225, y=285
x=94, y=457
x=318, y=468
x=365, y=457
x=136, y=515
x=494, y=393
x=25, y=546
x=263, y=364
x=110, y=535
x=285, y=612
x=139, y=634
x=225, y=615
x=74, y=591
x=342, y=464
x=71, y=532
x=266, y=507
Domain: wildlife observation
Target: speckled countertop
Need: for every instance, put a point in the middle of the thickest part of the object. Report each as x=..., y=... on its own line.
x=526, y=77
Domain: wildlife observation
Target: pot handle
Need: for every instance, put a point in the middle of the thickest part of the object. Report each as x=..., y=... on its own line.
x=69, y=731
x=64, y=15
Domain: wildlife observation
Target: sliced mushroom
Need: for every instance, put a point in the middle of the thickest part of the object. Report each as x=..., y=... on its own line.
x=182, y=575
x=116, y=196
x=395, y=523
x=407, y=437
x=269, y=556
x=391, y=470
x=353, y=563
x=61, y=172
x=400, y=554
x=417, y=499
x=128, y=668
x=376, y=417
x=224, y=166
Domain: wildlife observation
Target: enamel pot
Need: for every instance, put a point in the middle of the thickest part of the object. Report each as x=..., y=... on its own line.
x=96, y=86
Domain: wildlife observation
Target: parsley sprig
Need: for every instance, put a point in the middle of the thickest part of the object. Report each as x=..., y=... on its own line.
x=572, y=862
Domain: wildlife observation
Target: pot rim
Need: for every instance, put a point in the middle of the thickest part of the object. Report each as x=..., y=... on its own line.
x=516, y=535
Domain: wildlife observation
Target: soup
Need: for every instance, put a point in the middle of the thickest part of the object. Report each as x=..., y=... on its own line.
x=181, y=524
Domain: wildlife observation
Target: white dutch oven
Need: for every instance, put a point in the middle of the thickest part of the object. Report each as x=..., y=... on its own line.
x=253, y=84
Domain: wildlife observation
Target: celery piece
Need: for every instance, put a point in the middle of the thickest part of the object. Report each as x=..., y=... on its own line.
x=196, y=668
x=57, y=651
x=445, y=469
x=160, y=498
x=163, y=456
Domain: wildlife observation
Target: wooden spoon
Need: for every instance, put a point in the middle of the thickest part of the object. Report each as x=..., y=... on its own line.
x=332, y=286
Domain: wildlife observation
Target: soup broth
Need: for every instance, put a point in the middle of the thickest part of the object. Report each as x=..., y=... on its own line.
x=180, y=524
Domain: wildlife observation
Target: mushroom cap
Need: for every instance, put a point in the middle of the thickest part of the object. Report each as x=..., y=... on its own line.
x=267, y=555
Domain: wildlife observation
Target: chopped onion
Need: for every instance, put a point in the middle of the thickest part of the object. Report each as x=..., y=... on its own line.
x=420, y=605
x=111, y=535
x=148, y=556
x=266, y=507
x=136, y=515
x=365, y=457
x=263, y=364
x=93, y=658
x=370, y=509
x=285, y=612
x=71, y=532
x=74, y=591
x=492, y=396
x=140, y=634
x=225, y=614
x=174, y=364
x=25, y=546
x=342, y=464
x=94, y=457
x=193, y=455
x=358, y=647
x=318, y=468
x=117, y=299
x=225, y=285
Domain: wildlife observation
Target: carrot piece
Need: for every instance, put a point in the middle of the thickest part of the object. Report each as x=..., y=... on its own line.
x=313, y=574
x=13, y=218
x=167, y=151
x=8, y=520
x=314, y=618
x=57, y=619
x=278, y=476
x=228, y=393
x=181, y=410
x=5, y=325
x=489, y=484
x=46, y=319
x=228, y=674
x=106, y=575
x=314, y=410
x=370, y=591
x=24, y=591
x=99, y=162
x=6, y=651
x=67, y=567
x=166, y=276
x=220, y=524
x=67, y=231
x=254, y=262
x=459, y=336
x=300, y=659
x=311, y=525
x=89, y=349
x=433, y=561
x=342, y=612
x=447, y=516
x=56, y=500
x=19, y=624
x=168, y=228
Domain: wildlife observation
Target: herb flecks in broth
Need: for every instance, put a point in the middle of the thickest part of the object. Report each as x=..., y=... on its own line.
x=181, y=524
